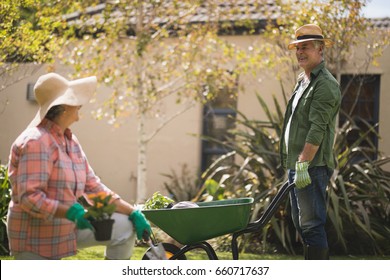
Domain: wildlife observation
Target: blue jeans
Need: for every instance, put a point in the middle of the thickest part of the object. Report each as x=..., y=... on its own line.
x=308, y=207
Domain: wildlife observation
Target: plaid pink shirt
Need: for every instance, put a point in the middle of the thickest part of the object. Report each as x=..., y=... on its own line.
x=46, y=168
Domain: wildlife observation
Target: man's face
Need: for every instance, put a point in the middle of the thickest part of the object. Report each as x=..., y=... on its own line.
x=308, y=56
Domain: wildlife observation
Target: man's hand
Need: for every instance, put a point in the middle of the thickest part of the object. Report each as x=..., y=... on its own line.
x=76, y=214
x=302, y=177
x=140, y=223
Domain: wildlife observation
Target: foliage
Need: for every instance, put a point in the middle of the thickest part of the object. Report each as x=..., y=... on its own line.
x=5, y=190
x=5, y=198
x=359, y=207
x=255, y=145
x=181, y=187
x=31, y=32
x=359, y=193
x=101, y=207
x=158, y=201
x=351, y=211
x=256, y=172
x=157, y=51
x=341, y=20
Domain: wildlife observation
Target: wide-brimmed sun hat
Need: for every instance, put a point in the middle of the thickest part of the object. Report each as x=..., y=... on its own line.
x=52, y=89
x=309, y=32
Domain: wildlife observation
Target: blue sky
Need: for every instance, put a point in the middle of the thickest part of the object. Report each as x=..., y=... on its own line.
x=377, y=8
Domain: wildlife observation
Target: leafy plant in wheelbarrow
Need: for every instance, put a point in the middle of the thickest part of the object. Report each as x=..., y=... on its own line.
x=158, y=251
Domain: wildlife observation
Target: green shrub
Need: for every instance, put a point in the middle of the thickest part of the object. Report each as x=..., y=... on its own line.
x=183, y=186
x=5, y=197
x=359, y=192
x=359, y=197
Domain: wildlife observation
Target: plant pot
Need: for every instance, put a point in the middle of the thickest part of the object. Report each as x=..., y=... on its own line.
x=103, y=229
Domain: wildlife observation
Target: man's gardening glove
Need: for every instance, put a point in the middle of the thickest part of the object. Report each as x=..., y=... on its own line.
x=76, y=214
x=302, y=177
x=140, y=223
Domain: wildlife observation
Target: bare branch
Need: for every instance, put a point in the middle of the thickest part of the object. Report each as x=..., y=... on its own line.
x=163, y=123
x=8, y=75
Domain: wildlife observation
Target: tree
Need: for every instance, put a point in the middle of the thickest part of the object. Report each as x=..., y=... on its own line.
x=157, y=49
x=31, y=33
x=341, y=20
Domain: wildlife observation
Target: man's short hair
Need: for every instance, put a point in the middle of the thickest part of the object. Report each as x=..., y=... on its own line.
x=318, y=43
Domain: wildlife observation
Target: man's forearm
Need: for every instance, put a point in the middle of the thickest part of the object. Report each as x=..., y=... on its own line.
x=308, y=152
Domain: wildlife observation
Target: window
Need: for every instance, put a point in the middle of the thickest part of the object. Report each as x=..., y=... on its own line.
x=218, y=118
x=30, y=92
x=361, y=102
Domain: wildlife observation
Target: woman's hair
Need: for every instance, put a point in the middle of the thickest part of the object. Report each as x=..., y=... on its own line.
x=54, y=112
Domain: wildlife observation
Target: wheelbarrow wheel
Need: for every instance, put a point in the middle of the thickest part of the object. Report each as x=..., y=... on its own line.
x=170, y=250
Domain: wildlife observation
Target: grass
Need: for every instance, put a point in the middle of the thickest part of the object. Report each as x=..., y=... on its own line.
x=97, y=253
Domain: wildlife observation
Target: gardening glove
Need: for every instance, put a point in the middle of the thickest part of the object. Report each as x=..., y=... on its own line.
x=76, y=214
x=140, y=223
x=302, y=177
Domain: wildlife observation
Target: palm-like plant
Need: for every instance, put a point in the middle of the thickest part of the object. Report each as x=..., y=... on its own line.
x=359, y=207
x=255, y=172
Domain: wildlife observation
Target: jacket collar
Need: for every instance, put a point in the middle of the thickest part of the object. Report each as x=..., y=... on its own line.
x=314, y=73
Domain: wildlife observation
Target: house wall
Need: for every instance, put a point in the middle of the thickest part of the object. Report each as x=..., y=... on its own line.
x=112, y=152
x=383, y=69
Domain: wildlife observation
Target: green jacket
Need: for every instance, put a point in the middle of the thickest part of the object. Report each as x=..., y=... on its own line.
x=314, y=120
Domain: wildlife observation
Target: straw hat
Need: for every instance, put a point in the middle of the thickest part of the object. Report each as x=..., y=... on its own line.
x=52, y=89
x=309, y=32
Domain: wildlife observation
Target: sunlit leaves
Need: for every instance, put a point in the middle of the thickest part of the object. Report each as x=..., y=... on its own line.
x=29, y=29
x=159, y=54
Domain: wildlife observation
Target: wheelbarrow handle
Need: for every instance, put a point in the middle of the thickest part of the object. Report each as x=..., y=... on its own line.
x=149, y=237
x=146, y=235
x=265, y=217
x=273, y=206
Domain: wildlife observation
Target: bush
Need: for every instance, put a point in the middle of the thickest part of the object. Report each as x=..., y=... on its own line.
x=183, y=186
x=359, y=192
x=5, y=198
x=359, y=208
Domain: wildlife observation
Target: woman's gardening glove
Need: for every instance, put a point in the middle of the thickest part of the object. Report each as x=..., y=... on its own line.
x=76, y=214
x=302, y=177
x=140, y=223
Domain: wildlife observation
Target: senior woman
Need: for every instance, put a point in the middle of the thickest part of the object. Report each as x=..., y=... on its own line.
x=49, y=172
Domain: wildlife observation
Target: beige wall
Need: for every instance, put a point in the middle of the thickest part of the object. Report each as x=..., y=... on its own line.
x=384, y=112
x=112, y=152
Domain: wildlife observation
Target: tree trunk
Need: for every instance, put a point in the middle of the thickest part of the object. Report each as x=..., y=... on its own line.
x=141, y=133
x=142, y=167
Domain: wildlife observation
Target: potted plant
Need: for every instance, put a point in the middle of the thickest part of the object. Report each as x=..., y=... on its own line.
x=99, y=214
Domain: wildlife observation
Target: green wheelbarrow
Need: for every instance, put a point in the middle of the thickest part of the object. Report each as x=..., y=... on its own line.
x=192, y=227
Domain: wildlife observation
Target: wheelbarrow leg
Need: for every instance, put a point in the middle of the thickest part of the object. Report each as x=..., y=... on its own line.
x=209, y=250
x=201, y=245
x=234, y=247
